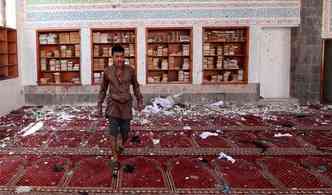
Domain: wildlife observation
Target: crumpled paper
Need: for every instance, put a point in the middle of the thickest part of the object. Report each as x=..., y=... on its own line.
x=225, y=156
x=207, y=134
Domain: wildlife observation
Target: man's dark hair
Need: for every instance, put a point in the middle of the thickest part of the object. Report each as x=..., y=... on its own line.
x=117, y=48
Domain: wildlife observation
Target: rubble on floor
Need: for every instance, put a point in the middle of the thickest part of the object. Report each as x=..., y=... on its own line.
x=221, y=147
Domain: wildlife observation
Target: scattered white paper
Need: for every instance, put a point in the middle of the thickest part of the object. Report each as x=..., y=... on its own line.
x=70, y=173
x=225, y=156
x=27, y=127
x=164, y=103
x=187, y=128
x=145, y=121
x=65, y=117
x=151, y=109
x=156, y=141
x=168, y=113
x=206, y=134
x=283, y=135
x=217, y=104
x=160, y=104
x=23, y=189
x=33, y=129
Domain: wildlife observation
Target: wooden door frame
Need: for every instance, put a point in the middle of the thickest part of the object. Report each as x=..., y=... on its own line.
x=322, y=73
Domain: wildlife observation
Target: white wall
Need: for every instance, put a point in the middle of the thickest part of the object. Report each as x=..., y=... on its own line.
x=29, y=56
x=8, y=13
x=274, y=71
x=197, y=45
x=85, y=56
x=141, y=60
x=269, y=48
x=11, y=95
x=255, y=34
x=11, y=13
x=2, y=12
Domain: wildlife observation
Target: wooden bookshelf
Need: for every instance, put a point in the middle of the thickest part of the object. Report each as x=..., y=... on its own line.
x=102, y=42
x=169, y=55
x=59, y=54
x=8, y=53
x=225, y=55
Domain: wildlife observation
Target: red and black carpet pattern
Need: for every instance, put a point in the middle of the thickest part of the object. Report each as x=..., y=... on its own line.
x=168, y=156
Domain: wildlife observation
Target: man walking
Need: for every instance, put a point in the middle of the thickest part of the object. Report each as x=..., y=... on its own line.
x=116, y=81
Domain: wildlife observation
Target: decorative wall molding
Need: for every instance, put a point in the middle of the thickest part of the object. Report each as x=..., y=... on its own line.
x=76, y=2
x=163, y=4
x=224, y=12
x=159, y=23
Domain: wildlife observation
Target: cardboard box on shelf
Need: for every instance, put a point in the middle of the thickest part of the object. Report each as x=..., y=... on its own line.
x=64, y=38
x=74, y=37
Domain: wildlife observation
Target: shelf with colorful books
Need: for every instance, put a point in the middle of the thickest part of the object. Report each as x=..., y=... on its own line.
x=102, y=42
x=59, y=54
x=169, y=55
x=225, y=55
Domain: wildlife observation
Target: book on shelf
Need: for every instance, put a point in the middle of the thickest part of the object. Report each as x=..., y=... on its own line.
x=225, y=35
x=185, y=49
x=231, y=64
x=43, y=64
x=64, y=38
x=76, y=67
x=164, y=78
x=173, y=36
x=164, y=64
x=76, y=80
x=98, y=76
x=183, y=76
x=126, y=61
x=98, y=64
x=77, y=50
x=114, y=37
x=186, y=65
x=105, y=52
x=74, y=37
x=126, y=51
x=44, y=80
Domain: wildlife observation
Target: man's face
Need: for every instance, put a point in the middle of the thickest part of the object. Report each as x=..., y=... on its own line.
x=118, y=58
